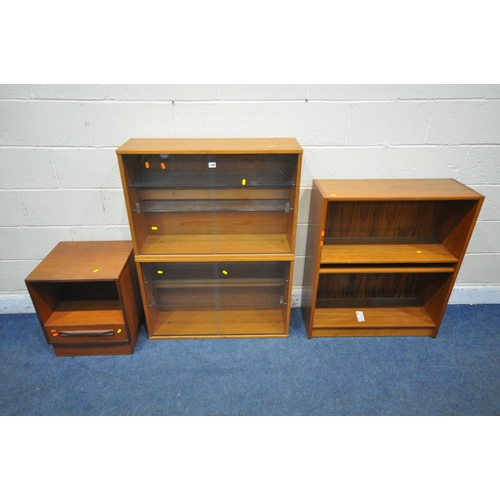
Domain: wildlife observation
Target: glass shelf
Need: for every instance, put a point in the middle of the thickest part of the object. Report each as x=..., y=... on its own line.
x=210, y=180
x=245, y=205
x=229, y=296
x=203, y=273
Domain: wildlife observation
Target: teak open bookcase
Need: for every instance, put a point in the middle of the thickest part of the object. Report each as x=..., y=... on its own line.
x=213, y=225
x=383, y=255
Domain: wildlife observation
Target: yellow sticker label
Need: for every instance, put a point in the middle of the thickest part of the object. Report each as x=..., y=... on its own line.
x=333, y=194
x=243, y=182
x=95, y=270
x=224, y=271
x=119, y=330
x=419, y=251
x=154, y=228
x=159, y=271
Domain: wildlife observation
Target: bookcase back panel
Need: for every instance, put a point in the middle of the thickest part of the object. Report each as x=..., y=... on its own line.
x=420, y=286
x=380, y=219
x=446, y=221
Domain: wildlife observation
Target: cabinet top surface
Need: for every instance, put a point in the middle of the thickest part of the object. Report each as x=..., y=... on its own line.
x=83, y=260
x=394, y=189
x=211, y=146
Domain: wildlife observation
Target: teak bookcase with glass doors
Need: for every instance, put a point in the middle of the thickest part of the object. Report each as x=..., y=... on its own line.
x=383, y=255
x=213, y=225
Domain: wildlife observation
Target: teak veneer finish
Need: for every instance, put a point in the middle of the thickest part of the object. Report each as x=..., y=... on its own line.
x=86, y=295
x=390, y=249
x=213, y=224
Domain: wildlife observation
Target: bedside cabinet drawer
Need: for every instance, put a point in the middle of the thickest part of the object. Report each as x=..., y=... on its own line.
x=83, y=334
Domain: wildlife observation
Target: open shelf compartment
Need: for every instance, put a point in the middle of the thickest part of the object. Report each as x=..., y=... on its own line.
x=389, y=301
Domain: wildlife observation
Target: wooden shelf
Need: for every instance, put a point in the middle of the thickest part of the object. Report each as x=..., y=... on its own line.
x=86, y=312
x=211, y=245
x=385, y=250
x=382, y=317
x=220, y=323
x=378, y=313
x=384, y=269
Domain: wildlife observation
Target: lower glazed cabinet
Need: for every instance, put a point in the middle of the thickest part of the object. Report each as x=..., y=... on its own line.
x=87, y=298
x=189, y=300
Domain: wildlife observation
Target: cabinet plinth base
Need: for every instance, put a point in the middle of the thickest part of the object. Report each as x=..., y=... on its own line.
x=89, y=350
x=372, y=332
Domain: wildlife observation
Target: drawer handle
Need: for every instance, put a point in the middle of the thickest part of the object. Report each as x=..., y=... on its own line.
x=88, y=333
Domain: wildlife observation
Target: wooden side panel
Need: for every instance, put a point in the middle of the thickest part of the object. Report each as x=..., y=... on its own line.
x=457, y=241
x=317, y=214
x=291, y=229
x=138, y=226
x=128, y=288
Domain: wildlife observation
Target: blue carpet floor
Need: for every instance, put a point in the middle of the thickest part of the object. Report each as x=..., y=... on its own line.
x=458, y=373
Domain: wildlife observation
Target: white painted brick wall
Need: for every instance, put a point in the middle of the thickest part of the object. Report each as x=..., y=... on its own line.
x=59, y=177
x=113, y=123
x=42, y=123
x=218, y=119
x=376, y=123
x=311, y=123
x=465, y=122
x=25, y=168
x=85, y=168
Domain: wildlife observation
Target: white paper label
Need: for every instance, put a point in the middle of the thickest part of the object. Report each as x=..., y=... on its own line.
x=360, y=316
x=212, y=164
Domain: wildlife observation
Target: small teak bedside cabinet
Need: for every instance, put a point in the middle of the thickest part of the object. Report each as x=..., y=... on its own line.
x=87, y=298
x=383, y=254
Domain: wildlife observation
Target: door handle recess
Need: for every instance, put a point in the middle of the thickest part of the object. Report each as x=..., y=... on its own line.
x=87, y=333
